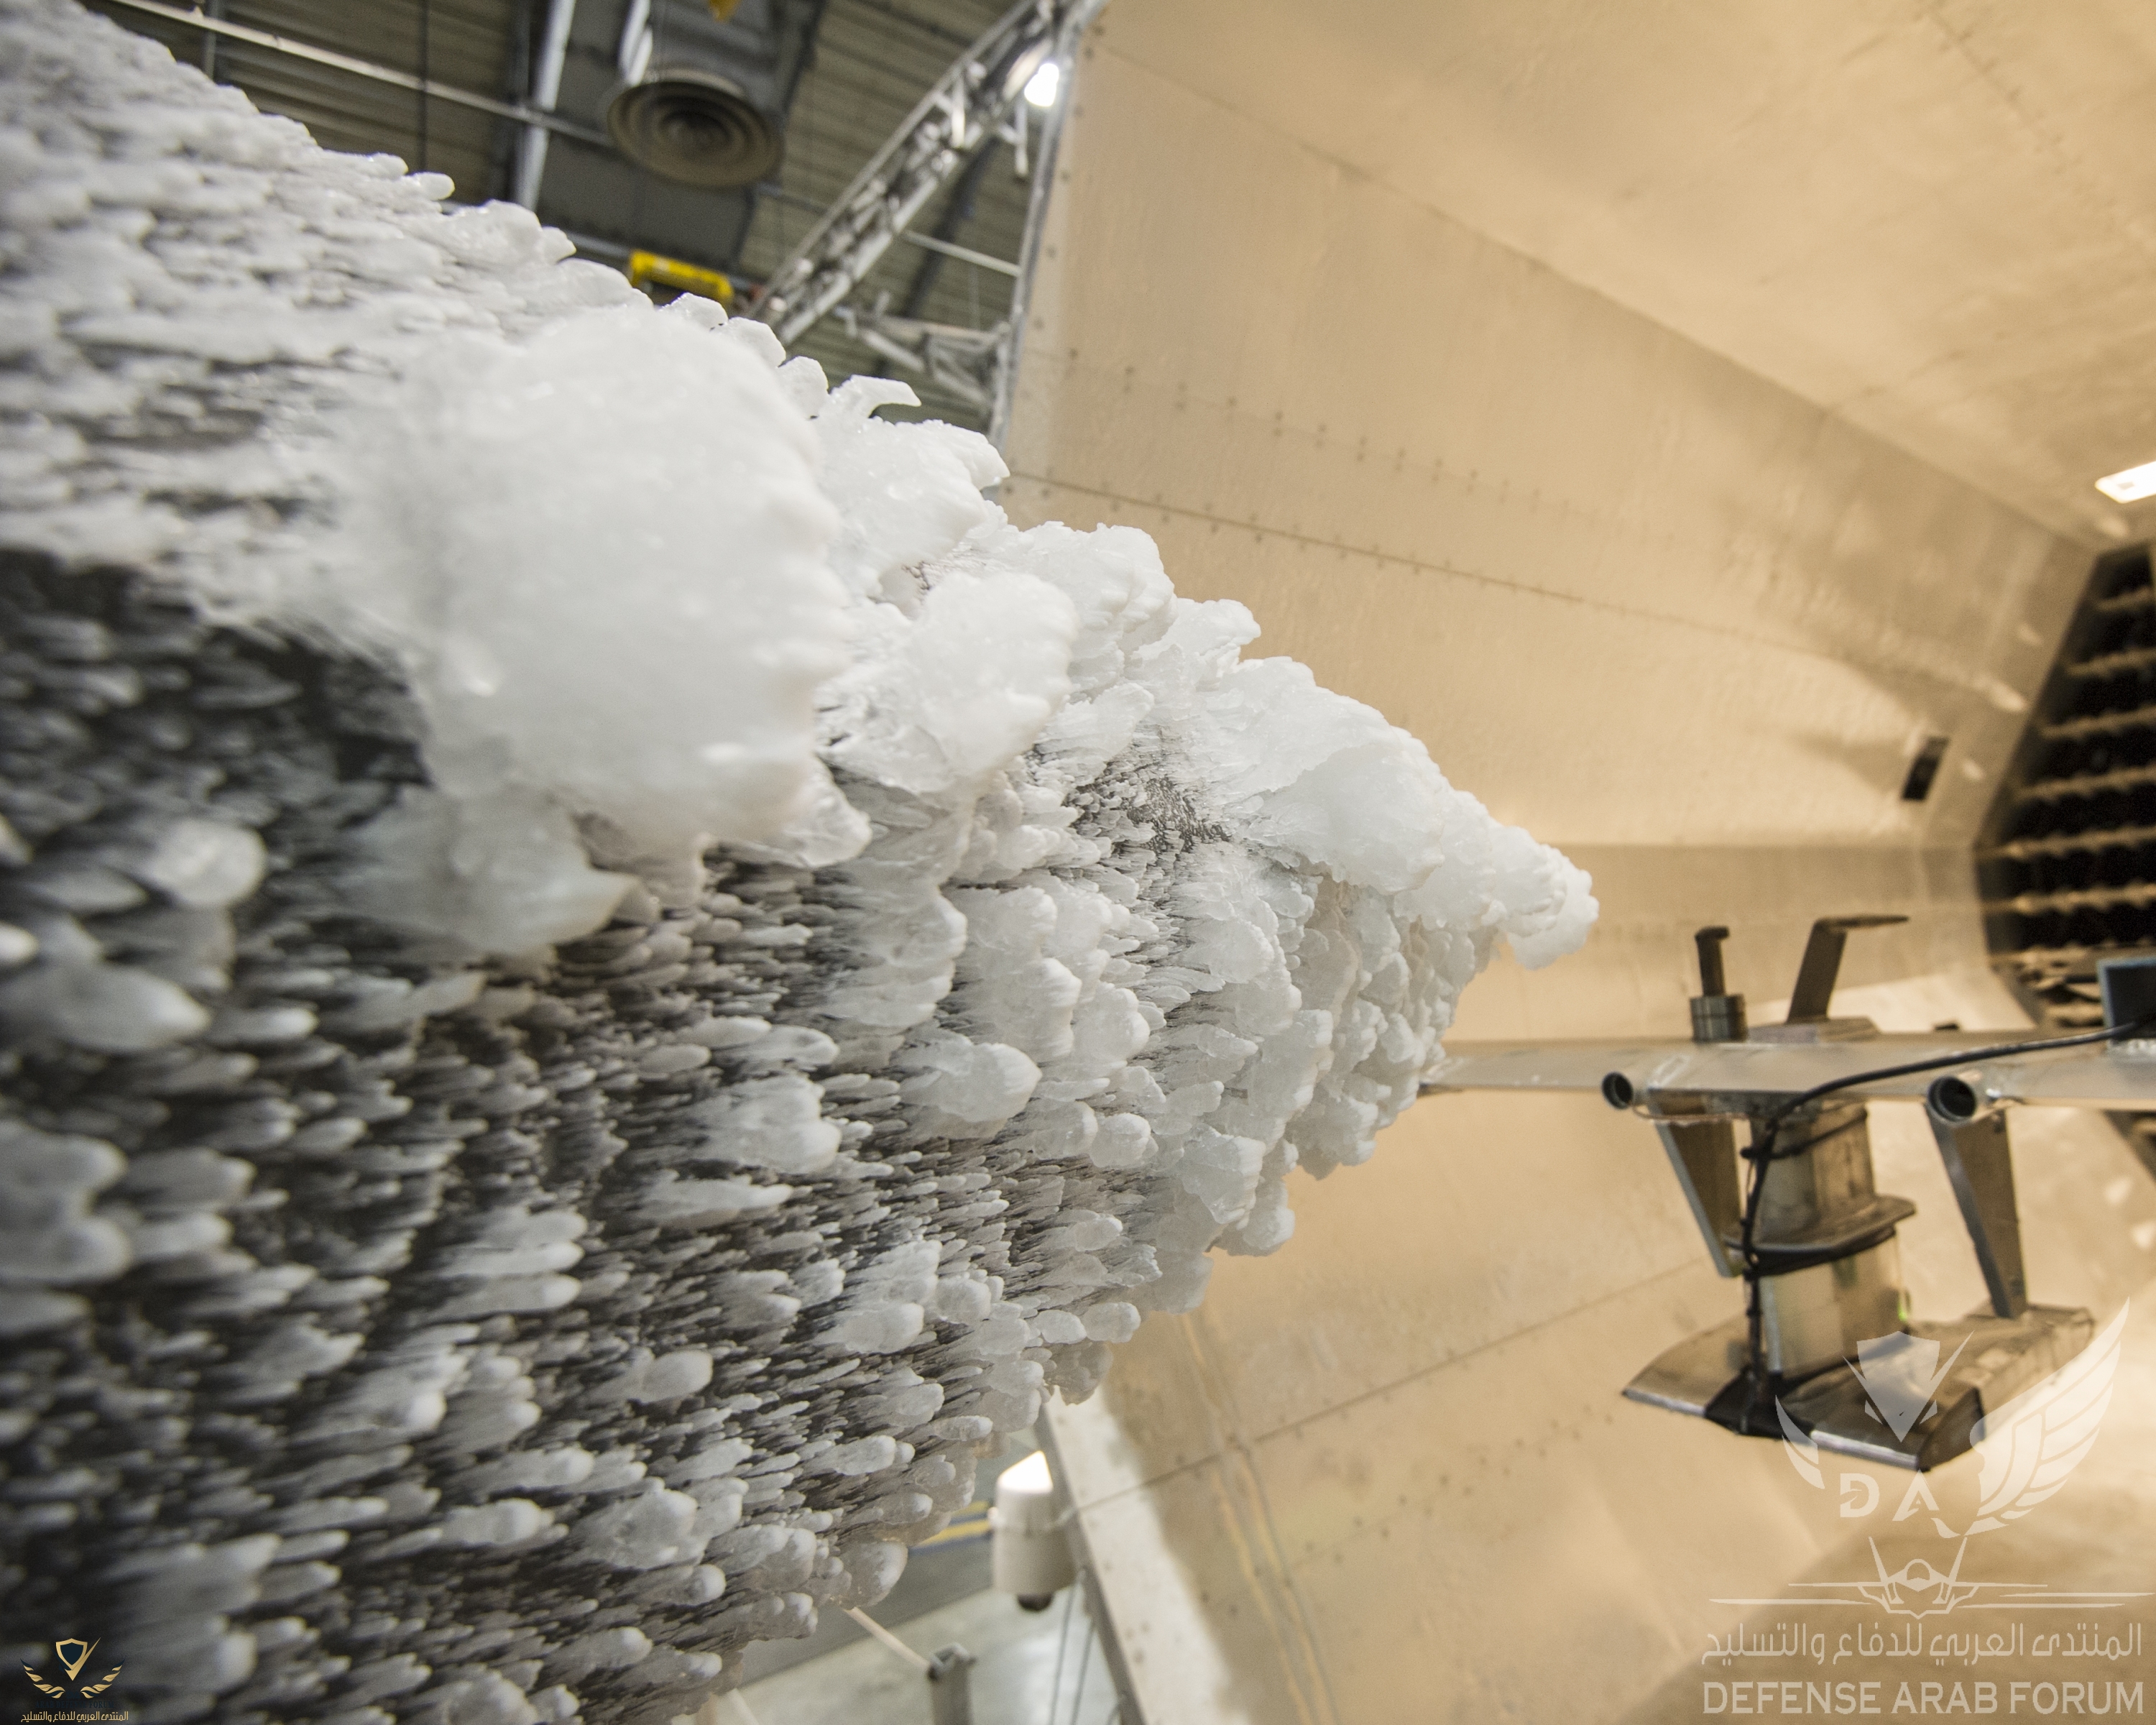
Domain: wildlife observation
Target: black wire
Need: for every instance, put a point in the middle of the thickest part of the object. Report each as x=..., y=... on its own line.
x=1763, y=1151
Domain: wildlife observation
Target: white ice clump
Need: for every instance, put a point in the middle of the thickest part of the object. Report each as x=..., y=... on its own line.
x=599, y=555
x=47, y=1232
x=606, y=971
x=204, y=864
x=114, y=1008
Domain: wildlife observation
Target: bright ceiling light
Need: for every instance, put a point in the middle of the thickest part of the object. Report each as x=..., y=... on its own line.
x=1040, y=89
x=2128, y=486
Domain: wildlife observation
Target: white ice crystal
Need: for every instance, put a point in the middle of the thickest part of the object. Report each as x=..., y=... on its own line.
x=599, y=551
x=786, y=968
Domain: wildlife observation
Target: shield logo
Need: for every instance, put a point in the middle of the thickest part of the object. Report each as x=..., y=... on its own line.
x=74, y=1656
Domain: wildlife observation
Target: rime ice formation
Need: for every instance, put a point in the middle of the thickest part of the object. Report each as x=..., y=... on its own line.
x=604, y=972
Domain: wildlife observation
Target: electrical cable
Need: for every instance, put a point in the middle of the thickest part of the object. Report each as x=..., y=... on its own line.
x=1763, y=1152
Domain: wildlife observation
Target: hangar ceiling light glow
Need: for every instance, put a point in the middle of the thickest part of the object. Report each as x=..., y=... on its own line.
x=2129, y=485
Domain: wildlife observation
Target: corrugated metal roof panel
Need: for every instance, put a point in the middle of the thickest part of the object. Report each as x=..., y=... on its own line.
x=472, y=44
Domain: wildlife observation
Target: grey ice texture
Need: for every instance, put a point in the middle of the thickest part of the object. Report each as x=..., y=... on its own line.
x=604, y=974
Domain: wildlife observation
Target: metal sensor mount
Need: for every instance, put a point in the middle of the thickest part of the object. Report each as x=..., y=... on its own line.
x=1823, y=1251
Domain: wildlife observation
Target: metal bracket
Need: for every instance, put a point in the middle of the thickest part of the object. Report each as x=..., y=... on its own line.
x=1980, y=1168
x=1822, y=963
x=1703, y=1156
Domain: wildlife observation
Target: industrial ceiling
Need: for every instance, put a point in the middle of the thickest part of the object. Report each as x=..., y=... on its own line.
x=1934, y=219
x=845, y=73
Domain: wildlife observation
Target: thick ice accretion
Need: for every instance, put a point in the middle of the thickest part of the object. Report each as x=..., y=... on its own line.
x=595, y=548
x=606, y=971
x=1213, y=916
x=598, y=554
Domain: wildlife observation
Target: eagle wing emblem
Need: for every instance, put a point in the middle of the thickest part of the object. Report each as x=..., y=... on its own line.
x=2029, y=1445
x=1802, y=1450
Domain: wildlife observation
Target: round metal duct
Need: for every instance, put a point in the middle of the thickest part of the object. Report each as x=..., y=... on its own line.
x=696, y=127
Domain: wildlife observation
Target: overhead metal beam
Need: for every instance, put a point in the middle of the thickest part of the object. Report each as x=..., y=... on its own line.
x=928, y=242
x=194, y=18
x=964, y=255
x=971, y=100
x=546, y=90
x=958, y=211
x=1045, y=151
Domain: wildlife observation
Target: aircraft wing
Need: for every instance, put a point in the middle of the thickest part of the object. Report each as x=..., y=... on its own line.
x=2117, y=1076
